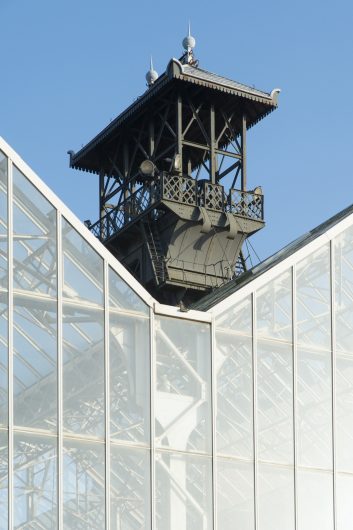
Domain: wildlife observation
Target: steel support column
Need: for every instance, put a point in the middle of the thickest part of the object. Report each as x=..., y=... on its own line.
x=101, y=201
x=243, y=154
x=179, y=130
x=213, y=156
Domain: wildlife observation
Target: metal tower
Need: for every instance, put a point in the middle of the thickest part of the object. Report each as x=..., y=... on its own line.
x=174, y=203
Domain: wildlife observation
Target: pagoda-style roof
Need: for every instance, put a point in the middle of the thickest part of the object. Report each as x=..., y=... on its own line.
x=194, y=82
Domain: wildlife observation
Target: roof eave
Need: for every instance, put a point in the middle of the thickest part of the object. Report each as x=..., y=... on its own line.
x=174, y=71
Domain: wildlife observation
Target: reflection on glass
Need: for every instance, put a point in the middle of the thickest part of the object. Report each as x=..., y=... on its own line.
x=35, y=363
x=344, y=496
x=344, y=411
x=3, y=221
x=83, y=486
x=234, y=415
x=235, y=495
x=182, y=403
x=237, y=318
x=315, y=500
x=314, y=392
x=314, y=300
x=35, y=476
x=34, y=246
x=276, y=498
x=83, y=268
x=130, y=488
x=83, y=370
x=184, y=492
x=121, y=296
x=344, y=291
x=3, y=360
x=344, y=346
x=275, y=401
x=4, y=472
x=274, y=308
x=129, y=377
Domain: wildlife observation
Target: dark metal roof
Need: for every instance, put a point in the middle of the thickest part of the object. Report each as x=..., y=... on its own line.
x=220, y=294
x=86, y=158
x=217, y=82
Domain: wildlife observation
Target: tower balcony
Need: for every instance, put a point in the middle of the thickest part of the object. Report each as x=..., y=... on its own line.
x=178, y=194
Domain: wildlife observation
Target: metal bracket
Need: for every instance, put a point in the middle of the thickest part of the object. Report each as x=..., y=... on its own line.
x=232, y=224
x=206, y=221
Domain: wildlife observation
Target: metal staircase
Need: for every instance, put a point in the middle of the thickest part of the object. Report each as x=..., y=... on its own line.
x=156, y=253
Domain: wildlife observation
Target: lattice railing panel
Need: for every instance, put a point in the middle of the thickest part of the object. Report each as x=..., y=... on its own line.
x=247, y=204
x=126, y=211
x=212, y=196
x=179, y=189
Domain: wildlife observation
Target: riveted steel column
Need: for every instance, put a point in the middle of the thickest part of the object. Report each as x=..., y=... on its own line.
x=243, y=154
x=179, y=127
x=101, y=203
x=213, y=157
x=126, y=178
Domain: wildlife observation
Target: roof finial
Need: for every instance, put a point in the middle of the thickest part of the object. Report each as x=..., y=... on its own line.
x=151, y=75
x=189, y=42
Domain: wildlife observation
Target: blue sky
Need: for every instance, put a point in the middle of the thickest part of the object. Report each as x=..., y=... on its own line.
x=69, y=67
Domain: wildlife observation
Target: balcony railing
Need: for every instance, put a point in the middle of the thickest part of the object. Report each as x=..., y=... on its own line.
x=246, y=204
x=183, y=190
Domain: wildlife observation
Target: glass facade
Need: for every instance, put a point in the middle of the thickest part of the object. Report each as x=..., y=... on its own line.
x=121, y=414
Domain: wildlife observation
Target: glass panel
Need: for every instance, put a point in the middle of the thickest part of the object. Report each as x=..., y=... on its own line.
x=129, y=377
x=3, y=360
x=35, y=477
x=83, y=268
x=184, y=492
x=34, y=246
x=313, y=300
x=83, y=370
x=237, y=318
x=274, y=308
x=344, y=495
x=235, y=495
x=121, y=296
x=130, y=498
x=83, y=486
x=183, y=400
x=3, y=221
x=276, y=498
x=344, y=290
x=4, y=473
x=315, y=500
x=314, y=407
x=344, y=411
x=35, y=362
x=234, y=420
x=275, y=402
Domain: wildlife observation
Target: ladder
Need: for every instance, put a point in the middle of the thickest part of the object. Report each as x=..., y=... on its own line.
x=156, y=253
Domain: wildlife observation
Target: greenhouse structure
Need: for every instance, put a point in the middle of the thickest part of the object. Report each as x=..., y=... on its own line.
x=119, y=412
